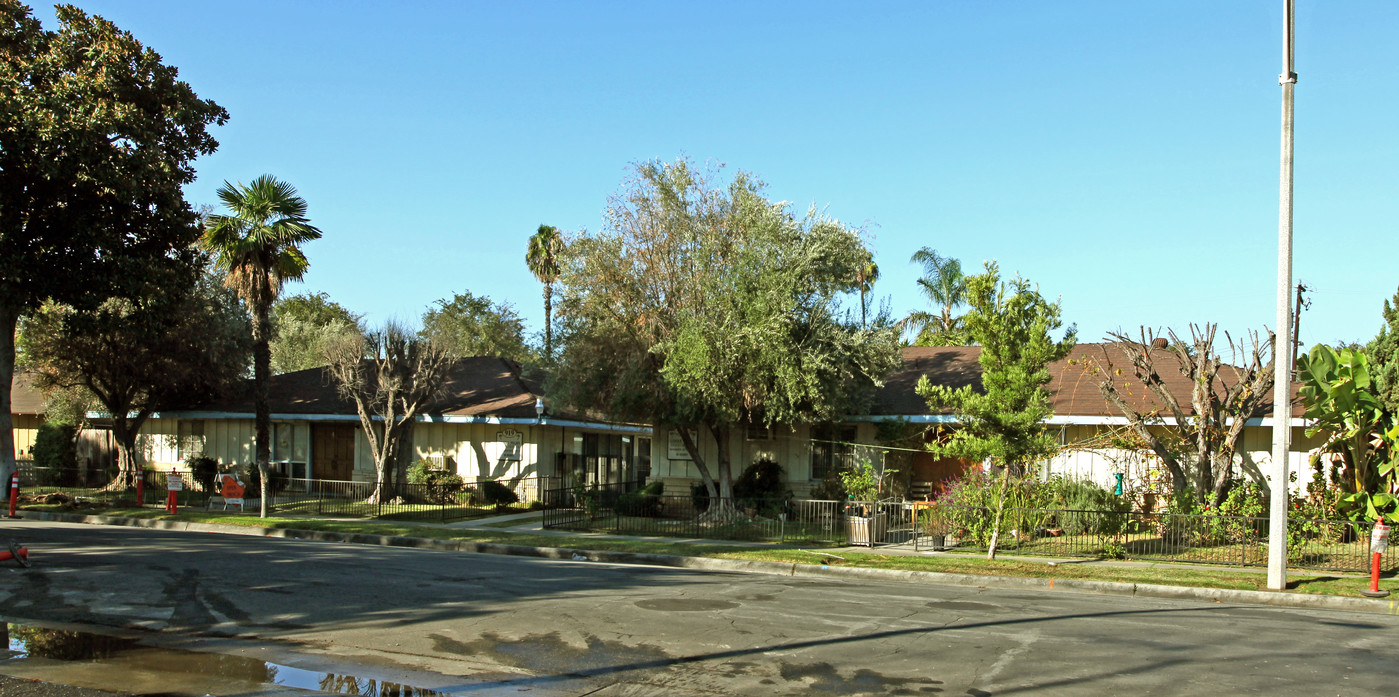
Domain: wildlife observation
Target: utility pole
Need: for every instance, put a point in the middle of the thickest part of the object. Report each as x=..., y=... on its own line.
x=1299, y=305
x=1282, y=344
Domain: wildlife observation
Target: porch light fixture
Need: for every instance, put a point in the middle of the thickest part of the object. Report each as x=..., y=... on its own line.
x=539, y=407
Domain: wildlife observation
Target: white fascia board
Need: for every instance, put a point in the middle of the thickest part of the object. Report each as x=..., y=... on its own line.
x=422, y=418
x=519, y=421
x=246, y=415
x=1059, y=420
x=909, y=418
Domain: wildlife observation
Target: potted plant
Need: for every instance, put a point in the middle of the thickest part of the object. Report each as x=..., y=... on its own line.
x=865, y=523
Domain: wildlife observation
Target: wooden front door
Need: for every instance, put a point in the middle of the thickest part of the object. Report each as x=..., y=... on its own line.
x=333, y=451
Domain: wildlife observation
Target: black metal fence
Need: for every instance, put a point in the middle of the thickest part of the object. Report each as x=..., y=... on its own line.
x=624, y=509
x=316, y=497
x=1337, y=545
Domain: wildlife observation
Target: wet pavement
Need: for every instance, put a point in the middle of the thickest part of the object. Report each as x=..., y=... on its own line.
x=46, y=659
x=480, y=624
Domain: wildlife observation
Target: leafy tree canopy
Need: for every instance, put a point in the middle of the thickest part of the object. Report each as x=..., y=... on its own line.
x=181, y=340
x=99, y=137
x=1004, y=420
x=1383, y=353
x=301, y=327
x=474, y=325
x=703, y=305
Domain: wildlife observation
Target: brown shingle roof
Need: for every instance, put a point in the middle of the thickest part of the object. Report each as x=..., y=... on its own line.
x=476, y=386
x=1073, y=383
x=25, y=398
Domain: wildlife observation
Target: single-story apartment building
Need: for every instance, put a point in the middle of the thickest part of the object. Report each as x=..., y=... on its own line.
x=95, y=446
x=490, y=422
x=1084, y=421
x=26, y=413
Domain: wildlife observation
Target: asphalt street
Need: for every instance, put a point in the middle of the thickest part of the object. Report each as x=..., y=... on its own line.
x=576, y=627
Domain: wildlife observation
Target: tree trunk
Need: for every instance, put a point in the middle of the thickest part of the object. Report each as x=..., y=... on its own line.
x=383, y=463
x=1000, y=513
x=726, y=486
x=692, y=448
x=128, y=455
x=9, y=316
x=548, y=321
x=262, y=411
x=403, y=455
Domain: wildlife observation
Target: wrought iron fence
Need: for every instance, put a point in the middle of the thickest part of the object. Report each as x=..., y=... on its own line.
x=625, y=509
x=316, y=497
x=1336, y=545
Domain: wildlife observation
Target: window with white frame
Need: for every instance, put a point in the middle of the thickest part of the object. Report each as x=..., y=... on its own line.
x=190, y=440
x=832, y=450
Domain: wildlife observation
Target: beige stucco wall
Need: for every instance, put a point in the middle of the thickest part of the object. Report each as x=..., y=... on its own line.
x=26, y=428
x=474, y=450
x=1142, y=469
x=790, y=447
x=230, y=441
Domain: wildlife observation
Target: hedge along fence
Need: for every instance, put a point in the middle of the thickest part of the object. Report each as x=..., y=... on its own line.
x=1336, y=545
x=627, y=509
x=424, y=502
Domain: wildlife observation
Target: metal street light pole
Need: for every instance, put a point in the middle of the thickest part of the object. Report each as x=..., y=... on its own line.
x=1282, y=346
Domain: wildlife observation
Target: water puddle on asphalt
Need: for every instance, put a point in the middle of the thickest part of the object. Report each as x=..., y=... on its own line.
x=125, y=664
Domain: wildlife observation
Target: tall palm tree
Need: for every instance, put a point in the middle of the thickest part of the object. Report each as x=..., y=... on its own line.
x=545, y=245
x=865, y=276
x=944, y=286
x=258, y=247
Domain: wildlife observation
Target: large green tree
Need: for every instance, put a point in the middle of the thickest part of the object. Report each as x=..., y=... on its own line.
x=1004, y=420
x=182, y=340
x=542, y=257
x=302, y=327
x=98, y=137
x=1383, y=354
x=257, y=246
x=474, y=325
x=702, y=306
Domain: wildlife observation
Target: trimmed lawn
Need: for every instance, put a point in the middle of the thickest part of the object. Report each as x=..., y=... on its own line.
x=1163, y=574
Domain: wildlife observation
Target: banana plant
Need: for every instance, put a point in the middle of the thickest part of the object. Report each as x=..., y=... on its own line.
x=1340, y=400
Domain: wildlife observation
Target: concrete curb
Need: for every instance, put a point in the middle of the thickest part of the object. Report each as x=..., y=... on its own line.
x=1146, y=590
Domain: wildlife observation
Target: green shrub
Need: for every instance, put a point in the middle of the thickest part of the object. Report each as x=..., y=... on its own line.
x=971, y=500
x=439, y=486
x=645, y=501
x=56, y=454
x=1087, y=508
x=699, y=497
x=253, y=476
x=203, y=470
x=496, y=494
x=763, y=486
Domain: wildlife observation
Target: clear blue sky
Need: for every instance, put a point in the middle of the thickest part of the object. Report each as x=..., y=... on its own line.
x=1122, y=155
